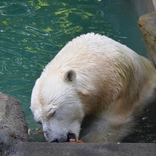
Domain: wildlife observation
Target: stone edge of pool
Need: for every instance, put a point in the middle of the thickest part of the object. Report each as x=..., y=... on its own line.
x=75, y=149
x=13, y=127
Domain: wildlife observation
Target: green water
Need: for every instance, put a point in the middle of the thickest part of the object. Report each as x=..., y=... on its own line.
x=33, y=31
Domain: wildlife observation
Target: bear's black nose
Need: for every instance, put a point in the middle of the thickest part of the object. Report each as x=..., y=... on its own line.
x=70, y=136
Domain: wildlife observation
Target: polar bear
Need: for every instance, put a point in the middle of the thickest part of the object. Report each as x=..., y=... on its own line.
x=96, y=81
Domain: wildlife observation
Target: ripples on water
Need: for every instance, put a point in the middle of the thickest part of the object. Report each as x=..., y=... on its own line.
x=33, y=31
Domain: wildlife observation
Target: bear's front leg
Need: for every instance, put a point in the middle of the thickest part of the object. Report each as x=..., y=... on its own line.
x=105, y=129
x=97, y=130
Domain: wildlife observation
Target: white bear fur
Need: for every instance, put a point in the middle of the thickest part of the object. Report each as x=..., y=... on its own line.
x=93, y=76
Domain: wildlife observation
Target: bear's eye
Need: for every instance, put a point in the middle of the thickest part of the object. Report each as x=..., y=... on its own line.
x=51, y=114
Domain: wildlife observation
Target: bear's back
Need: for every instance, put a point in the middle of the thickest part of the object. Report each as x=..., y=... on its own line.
x=92, y=50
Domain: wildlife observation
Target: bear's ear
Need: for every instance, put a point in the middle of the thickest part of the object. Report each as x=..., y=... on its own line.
x=70, y=76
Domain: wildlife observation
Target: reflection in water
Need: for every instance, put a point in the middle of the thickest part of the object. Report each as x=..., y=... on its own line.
x=33, y=31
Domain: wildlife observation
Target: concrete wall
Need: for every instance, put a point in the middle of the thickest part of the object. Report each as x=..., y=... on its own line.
x=154, y=4
x=144, y=6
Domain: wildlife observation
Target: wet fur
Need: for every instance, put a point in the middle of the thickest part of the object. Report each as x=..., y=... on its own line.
x=107, y=82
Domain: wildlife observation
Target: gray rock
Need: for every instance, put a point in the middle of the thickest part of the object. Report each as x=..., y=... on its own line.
x=13, y=127
x=147, y=24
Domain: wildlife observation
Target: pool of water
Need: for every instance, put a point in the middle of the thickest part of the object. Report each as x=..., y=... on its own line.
x=33, y=31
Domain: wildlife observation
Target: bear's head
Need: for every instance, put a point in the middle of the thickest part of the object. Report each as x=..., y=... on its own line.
x=56, y=105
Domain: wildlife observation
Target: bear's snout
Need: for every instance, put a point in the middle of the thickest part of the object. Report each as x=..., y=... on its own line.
x=70, y=138
x=58, y=139
x=55, y=137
